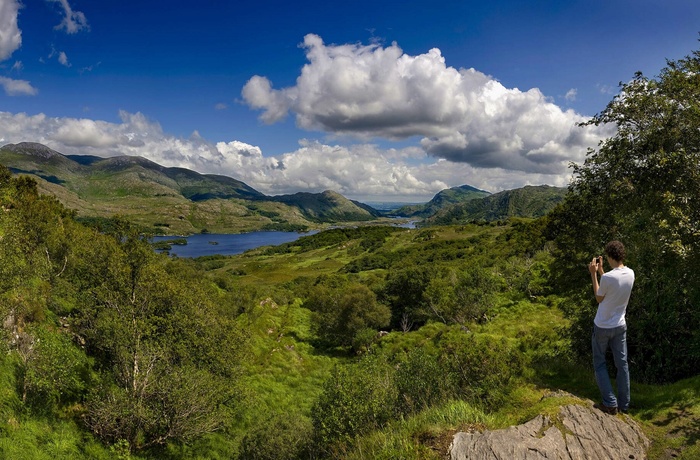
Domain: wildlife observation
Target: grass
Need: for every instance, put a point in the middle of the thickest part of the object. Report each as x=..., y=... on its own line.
x=424, y=436
x=671, y=417
x=34, y=438
x=285, y=372
x=669, y=414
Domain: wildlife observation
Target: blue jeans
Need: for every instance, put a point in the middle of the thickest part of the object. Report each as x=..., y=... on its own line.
x=616, y=340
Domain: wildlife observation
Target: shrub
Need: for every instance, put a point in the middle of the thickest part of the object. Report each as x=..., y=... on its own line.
x=280, y=436
x=420, y=381
x=55, y=373
x=340, y=312
x=355, y=399
x=481, y=367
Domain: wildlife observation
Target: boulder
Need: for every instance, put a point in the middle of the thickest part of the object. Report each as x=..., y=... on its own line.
x=578, y=432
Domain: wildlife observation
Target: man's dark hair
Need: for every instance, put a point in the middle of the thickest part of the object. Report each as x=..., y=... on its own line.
x=615, y=250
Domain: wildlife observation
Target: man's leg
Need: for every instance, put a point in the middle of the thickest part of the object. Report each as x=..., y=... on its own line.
x=618, y=345
x=599, y=343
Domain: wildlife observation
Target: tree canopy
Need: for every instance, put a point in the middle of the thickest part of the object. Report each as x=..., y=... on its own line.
x=641, y=186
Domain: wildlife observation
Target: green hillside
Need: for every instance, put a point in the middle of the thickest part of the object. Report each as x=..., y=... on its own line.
x=114, y=351
x=172, y=200
x=529, y=201
x=328, y=207
x=441, y=200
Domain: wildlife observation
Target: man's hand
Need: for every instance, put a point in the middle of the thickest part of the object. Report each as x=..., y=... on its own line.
x=593, y=267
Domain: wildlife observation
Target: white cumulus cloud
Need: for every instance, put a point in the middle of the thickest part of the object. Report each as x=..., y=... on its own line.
x=14, y=87
x=360, y=171
x=10, y=35
x=462, y=115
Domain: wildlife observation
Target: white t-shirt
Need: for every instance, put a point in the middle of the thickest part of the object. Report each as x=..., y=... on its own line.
x=616, y=286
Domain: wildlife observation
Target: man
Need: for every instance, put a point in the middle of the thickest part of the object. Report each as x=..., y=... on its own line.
x=610, y=328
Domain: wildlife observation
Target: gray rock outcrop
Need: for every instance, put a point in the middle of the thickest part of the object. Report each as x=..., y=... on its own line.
x=576, y=433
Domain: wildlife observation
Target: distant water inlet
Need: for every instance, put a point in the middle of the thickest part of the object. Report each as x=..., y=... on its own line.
x=209, y=244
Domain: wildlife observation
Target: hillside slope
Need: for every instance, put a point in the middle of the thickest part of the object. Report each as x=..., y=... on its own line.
x=441, y=200
x=176, y=200
x=529, y=201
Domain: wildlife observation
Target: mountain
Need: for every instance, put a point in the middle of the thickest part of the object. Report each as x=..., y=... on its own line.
x=529, y=201
x=118, y=176
x=441, y=200
x=177, y=200
x=328, y=206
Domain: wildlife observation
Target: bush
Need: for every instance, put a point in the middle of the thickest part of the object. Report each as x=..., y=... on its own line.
x=363, y=340
x=281, y=436
x=482, y=368
x=342, y=311
x=355, y=400
x=420, y=381
x=55, y=373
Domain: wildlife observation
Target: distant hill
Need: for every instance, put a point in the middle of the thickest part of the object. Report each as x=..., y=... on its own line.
x=328, y=206
x=529, y=201
x=440, y=201
x=177, y=200
x=118, y=176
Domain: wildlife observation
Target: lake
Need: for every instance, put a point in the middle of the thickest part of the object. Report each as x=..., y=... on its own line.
x=209, y=244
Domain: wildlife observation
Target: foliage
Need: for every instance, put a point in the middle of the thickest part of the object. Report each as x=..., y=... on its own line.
x=221, y=357
x=102, y=329
x=404, y=292
x=281, y=436
x=641, y=187
x=355, y=400
x=371, y=238
x=344, y=310
x=55, y=373
x=484, y=368
x=421, y=381
x=462, y=296
x=154, y=325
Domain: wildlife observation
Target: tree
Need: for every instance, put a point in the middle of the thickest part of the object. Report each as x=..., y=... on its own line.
x=167, y=357
x=404, y=291
x=642, y=186
x=341, y=312
x=462, y=296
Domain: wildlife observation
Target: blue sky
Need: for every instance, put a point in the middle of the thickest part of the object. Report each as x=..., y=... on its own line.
x=376, y=100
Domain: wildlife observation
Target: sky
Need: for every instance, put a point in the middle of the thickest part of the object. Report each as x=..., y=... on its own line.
x=379, y=101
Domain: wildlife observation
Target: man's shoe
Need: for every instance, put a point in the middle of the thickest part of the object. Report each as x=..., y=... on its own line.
x=606, y=409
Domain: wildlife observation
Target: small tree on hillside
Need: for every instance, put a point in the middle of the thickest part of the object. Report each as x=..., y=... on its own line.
x=341, y=312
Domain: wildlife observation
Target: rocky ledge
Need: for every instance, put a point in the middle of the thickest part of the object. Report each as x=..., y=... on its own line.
x=578, y=432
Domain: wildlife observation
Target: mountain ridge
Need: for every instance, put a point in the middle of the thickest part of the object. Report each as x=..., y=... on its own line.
x=529, y=201
x=441, y=200
x=179, y=199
